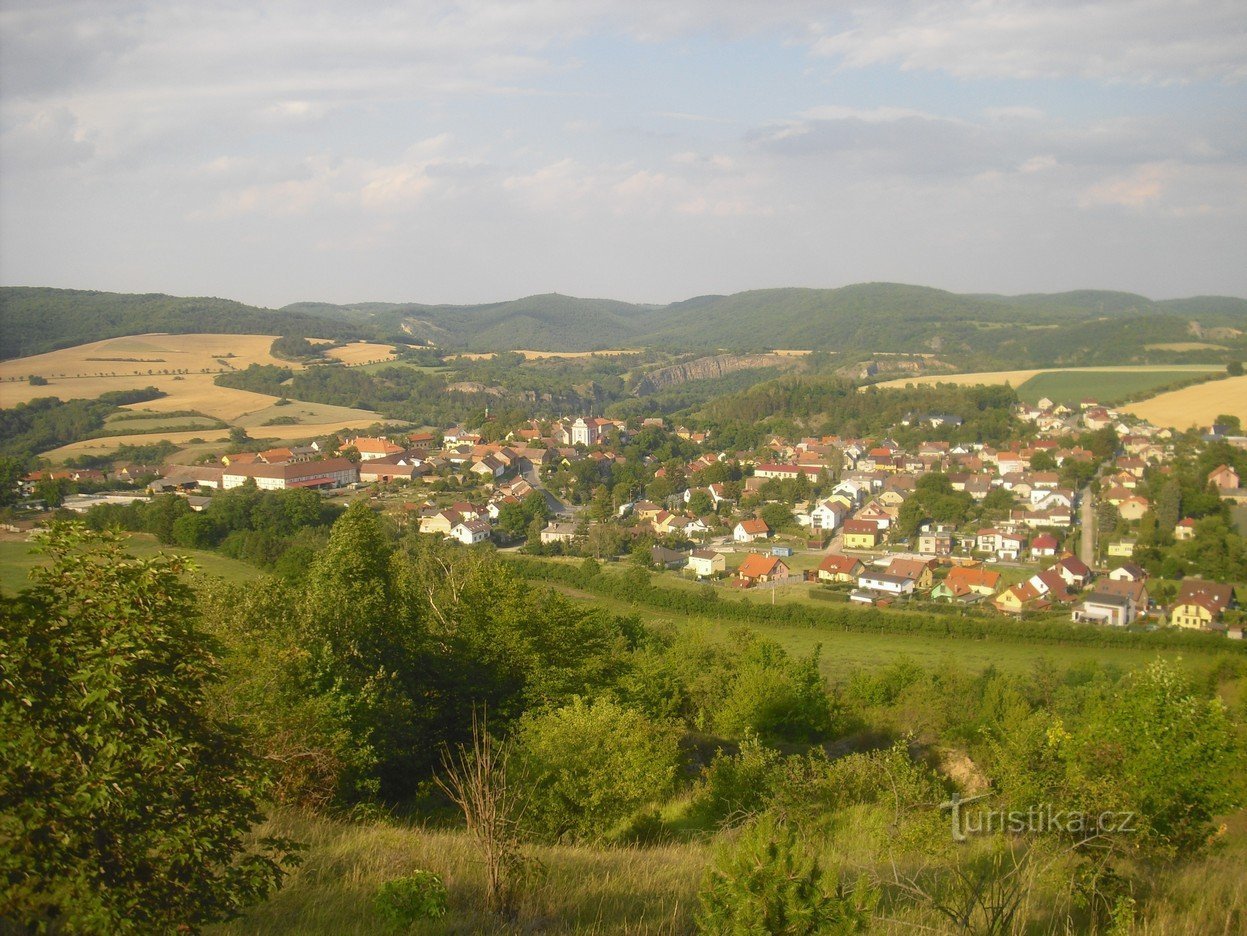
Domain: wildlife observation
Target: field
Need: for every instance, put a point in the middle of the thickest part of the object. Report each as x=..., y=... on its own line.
x=1185, y=346
x=1015, y=378
x=1103, y=386
x=71, y=374
x=1195, y=406
x=362, y=352
x=539, y=355
x=16, y=560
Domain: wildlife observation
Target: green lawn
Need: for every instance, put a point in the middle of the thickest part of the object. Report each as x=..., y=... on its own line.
x=843, y=651
x=16, y=560
x=1072, y=386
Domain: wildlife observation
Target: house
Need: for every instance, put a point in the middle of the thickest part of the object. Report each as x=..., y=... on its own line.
x=667, y=558
x=558, y=533
x=828, y=515
x=937, y=542
x=1184, y=530
x=406, y=466
x=1104, y=608
x=1073, y=570
x=1051, y=586
x=440, y=521
x=370, y=448
x=1121, y=549
x=1009, y=546
x=1045, y=544
x=330, y=473
x=1015, y=600
x=1133, y=592
x=885, y=583
x=706, y=562
x=470, y=532
x=1128, y=572
x=758, y=568
x=1223, y=478
x=746, y=531
x=1200, y=604
x=1133, y=508
x=920, y=571
x=839, y=568
x=976, y=579
x=860, y=534
x=421, y=441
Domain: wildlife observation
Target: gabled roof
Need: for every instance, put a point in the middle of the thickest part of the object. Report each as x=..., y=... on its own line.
x=838, y=564
x=757, y=565
x=754, y=525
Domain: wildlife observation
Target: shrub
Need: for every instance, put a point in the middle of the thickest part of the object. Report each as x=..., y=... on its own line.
x=588, y=766
x=735, y=786
x=418, y=896
x=768, y=883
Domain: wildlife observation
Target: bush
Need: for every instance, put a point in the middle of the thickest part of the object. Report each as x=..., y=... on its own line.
x=418, y=896
x=588, y=766
x=768, y=883
x=736, y=786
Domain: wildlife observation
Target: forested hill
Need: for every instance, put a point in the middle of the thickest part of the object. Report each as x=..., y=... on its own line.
x=34, y=319
x=1084, y=327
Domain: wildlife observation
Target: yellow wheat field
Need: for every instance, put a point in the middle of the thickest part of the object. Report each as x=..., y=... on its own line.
x=361, y=352
x=1015, y=378
x=1195, y=406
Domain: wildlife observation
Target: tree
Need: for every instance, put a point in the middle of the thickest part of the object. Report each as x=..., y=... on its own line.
x=238, y=435
x=590, y=765
x=1234, y=368
x=52, y=491
x=768, y=882
x=124, y=806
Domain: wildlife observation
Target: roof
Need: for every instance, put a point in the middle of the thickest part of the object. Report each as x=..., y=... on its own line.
x=754, y=525
x=1214, y=596
x=973, y=576
x=837, y=563
x=908, y=568
x=294, y=471
x=757, y=565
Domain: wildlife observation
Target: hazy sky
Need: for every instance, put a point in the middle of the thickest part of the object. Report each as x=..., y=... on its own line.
x=458, y=152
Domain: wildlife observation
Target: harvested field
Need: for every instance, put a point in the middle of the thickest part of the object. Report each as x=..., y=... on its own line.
x=1195, y=406
x=1016, y=378
x=362, y=352
x=1185, y=346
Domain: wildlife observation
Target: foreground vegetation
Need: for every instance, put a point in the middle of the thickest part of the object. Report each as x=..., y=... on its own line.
x=611, y=775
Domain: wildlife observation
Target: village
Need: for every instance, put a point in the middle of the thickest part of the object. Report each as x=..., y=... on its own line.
x=1046, y=528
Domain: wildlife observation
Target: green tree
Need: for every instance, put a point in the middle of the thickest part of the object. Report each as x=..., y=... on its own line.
x=1234, y=368
x=768, y=883
x=590, y=765
x=52, y=491
x=124, y=806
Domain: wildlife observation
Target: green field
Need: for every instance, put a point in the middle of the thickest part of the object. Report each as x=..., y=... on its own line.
x=1072, y=386
x=844, y=651
x=16, y=560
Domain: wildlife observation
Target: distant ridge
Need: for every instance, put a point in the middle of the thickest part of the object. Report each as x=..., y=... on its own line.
x=1079, y=327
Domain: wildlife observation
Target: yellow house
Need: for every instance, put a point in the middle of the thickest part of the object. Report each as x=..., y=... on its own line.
x=1199, y=604
x=860, y=534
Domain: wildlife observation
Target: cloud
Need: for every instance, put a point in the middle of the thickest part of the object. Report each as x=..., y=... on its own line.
x=1135, y=41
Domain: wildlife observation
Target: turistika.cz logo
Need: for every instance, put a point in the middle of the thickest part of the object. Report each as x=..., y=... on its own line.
x=1044, y=818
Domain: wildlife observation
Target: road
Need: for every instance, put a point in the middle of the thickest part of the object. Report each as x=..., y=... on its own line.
x=1086, y=516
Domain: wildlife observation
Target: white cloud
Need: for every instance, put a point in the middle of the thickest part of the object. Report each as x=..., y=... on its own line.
x=1137, y=41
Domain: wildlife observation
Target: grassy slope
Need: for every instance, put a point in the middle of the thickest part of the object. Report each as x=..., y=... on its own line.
x=34, y=319
x=1106, y=386
x=16, y=560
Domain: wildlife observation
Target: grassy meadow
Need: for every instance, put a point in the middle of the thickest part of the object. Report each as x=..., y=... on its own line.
x=17, y=559
x=1071, y=386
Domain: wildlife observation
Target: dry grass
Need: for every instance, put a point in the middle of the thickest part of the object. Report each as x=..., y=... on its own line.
x=1195, y=406
x=540, y=355
x=71, y=375
x=362, y=352
x=1185, y=346
x=1016, y=378
x=576, y=889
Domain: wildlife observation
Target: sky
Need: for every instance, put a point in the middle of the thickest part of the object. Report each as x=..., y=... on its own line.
x=431, y=151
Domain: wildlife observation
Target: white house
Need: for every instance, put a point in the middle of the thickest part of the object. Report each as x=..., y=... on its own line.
x=746, y=531
x=469, y=532
x=885, y=583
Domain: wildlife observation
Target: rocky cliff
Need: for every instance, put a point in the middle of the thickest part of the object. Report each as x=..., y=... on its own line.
x=707, y=368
